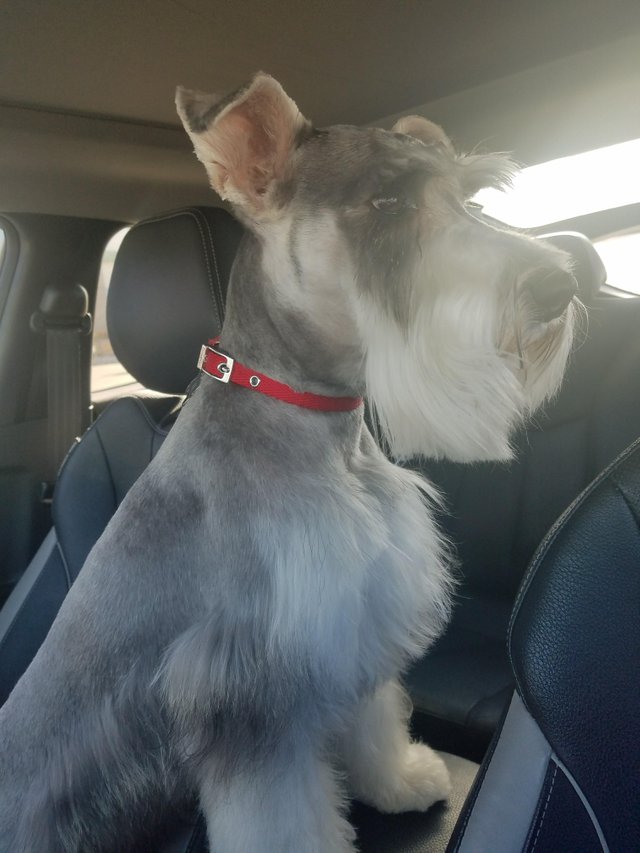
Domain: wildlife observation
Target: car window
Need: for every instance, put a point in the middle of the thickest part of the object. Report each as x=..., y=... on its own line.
x=2, y=242
x=620, y=254
x=567, y=187
x=109, y=379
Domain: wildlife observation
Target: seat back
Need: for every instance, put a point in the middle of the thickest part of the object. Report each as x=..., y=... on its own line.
x=166, y=298
x=564, y=770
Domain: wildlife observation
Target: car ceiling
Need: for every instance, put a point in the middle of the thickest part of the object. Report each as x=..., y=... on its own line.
x=105, y=72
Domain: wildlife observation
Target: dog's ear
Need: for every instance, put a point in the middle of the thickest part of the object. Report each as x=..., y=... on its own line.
x=244, y=140
x=424, y=130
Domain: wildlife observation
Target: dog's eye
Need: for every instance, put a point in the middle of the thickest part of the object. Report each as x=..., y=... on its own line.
x=392, y=205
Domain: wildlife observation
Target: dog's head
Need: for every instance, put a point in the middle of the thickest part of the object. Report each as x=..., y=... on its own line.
x=455, y=329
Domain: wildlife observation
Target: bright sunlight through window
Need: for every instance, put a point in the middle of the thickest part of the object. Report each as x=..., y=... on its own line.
x=620, y=255
x=570, y=186
x=109, y=379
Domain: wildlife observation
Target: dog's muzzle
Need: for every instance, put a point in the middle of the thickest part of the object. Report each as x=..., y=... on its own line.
x=549, y=292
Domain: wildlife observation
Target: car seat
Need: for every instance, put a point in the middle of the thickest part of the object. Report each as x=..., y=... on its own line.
x=563, y=773
x=166, y=298
x=497, y=513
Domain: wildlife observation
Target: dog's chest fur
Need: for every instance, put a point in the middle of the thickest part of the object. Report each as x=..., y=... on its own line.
x=330, y=553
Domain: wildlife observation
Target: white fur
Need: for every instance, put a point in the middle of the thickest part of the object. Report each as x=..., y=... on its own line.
x=376, y=554
x=543, y=370
x=434, y=393
x=450, y=383
x=385, y=768
x=445, y=385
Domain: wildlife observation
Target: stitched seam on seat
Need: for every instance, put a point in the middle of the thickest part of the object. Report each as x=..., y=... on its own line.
x=548, y=540
x=474, y=707
x=152, y=440
x=145, y=413
x=113, y=489
x=553, y=531
x=151, y=423
x=632, y=509
x=109, y=471
x=193, y=215
x=220, y=303
x=19, y=611
x=570, y=778
x=65, y=566
x=147, y=416
x=478, y=781
x=206, y=259
x=470, y=806
x=138, y=402
x=546, y=805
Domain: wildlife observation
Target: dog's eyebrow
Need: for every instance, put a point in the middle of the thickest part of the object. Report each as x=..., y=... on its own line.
x=405, y=179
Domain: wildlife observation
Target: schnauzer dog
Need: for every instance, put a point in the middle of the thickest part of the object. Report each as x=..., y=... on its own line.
x=238, y=632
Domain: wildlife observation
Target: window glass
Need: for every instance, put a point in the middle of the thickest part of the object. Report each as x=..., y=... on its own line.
x=620, y=254
x=109, y=379
x=2, y=242
x=602, y=179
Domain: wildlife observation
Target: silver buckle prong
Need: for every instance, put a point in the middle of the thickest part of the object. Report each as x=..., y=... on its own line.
x=224, y=368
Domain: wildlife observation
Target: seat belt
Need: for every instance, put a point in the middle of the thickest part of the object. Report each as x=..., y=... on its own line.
x=63, y=316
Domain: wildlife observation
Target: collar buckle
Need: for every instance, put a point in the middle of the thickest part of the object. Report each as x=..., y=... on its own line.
x=215, y=363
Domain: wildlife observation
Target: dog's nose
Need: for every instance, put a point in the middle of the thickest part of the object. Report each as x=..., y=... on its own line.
x=550, y=291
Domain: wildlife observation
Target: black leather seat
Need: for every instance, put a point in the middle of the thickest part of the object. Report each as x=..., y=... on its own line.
x=498, y=513
x=564, y=771
x=166, y=298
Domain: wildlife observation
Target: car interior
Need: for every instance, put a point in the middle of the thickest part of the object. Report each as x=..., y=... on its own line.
x=531, y=693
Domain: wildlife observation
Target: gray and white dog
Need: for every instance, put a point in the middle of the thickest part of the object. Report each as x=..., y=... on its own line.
x=238, y=631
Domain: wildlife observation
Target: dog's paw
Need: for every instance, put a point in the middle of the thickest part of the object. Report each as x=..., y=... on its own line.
x=421, y=780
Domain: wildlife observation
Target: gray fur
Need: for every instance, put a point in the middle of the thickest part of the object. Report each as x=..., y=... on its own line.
x=271, y=573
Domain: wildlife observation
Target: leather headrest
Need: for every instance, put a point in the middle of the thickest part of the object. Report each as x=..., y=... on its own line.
x=167, y=293
x=588, y=268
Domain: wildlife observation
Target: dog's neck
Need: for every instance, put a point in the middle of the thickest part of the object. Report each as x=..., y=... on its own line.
x=275, y=339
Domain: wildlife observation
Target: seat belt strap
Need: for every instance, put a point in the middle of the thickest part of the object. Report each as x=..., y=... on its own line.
x=64, y=318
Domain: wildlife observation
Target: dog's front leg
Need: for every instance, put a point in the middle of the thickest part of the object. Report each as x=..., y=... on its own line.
x=282, y=800
x=385, y=768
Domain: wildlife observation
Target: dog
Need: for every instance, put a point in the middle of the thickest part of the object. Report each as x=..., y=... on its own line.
x=239, y=630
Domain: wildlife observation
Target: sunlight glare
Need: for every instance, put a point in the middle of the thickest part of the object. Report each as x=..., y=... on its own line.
x=561, y=189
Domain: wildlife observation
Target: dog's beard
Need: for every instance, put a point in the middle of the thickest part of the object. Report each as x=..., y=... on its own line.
x=440, y=387
x=545, y=356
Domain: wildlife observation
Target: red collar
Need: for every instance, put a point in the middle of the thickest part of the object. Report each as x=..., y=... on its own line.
x=222, y=367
